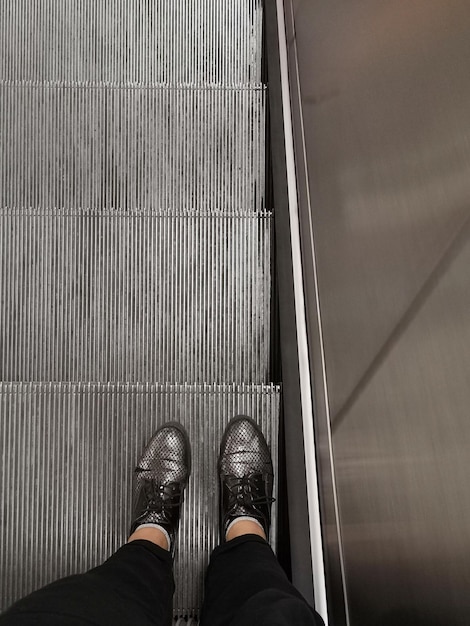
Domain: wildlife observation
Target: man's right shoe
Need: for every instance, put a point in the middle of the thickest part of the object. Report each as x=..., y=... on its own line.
x=246, y=475
x=160, y=479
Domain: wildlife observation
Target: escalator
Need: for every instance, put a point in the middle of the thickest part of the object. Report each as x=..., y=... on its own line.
x=138, y=275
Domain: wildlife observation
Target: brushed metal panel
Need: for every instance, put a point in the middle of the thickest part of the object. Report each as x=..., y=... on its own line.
x=384, y=100
x=385, y=97
x=402, y=460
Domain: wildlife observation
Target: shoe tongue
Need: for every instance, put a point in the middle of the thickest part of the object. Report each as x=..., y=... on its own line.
x=233, y=479
x=244, y=492
x=240, y=510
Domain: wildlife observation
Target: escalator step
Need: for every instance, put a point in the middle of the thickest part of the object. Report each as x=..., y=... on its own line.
x=116, y=147
x=136, y=42
x=135, y=268
x=134, y=296
x=68, y=451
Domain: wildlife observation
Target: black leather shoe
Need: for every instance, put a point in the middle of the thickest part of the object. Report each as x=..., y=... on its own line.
x=246, y=474
x=160, y=479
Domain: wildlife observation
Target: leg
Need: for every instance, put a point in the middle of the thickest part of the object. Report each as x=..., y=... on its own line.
x=134, y=586
x=245, y=583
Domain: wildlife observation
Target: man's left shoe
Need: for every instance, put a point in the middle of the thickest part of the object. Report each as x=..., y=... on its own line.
x=160, y=478
x=246, y=475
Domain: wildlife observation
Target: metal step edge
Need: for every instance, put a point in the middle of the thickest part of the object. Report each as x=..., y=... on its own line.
x=134, y=212
x=83, y=85
x=138, y=386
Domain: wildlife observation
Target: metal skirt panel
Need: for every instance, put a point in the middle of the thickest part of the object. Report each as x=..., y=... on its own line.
x=131, y=41
x=94, y=147
x=134, y=297
x=68, y=453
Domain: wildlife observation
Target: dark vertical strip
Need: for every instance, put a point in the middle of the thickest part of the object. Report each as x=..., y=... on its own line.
x=291, y=410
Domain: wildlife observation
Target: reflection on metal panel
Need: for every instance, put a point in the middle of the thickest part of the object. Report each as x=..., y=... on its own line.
x=384, y=101
x=402, y=458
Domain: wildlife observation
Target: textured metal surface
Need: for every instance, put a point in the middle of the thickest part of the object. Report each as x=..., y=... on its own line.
x=132, y=105
x=403, y=465
x=68, y=452
x=131, y=41
x=135, y=248
x=384, y=94
x=140, y=147
x=134, y=296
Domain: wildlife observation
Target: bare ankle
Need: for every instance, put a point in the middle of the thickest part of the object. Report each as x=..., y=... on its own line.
x=150, y=534
x=244, y=527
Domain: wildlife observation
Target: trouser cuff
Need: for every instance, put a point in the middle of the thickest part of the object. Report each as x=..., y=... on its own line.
x=157, y=551
x=231, y=545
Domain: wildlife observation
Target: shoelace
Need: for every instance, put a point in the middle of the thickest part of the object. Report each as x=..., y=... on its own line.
x=242, y=490
x=159, y=497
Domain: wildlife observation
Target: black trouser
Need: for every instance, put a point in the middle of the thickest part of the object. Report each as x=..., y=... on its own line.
x=245, y=585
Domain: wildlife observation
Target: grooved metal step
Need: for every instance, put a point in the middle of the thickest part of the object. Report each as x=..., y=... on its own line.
x=134, y=296
x=135, y=267
x=103, y=147
x=132, y=41
x=68, y=451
